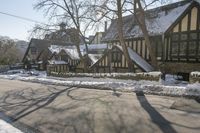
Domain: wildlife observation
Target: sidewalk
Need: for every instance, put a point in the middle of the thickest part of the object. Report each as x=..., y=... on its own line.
x=7, y=128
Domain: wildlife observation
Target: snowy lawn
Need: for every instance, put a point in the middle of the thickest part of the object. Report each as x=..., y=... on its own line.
x=170, y=86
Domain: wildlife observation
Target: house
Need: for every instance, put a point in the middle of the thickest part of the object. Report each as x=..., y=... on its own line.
x=70, y=55
x=37, y=52
x=174, y=31
x=69, y=35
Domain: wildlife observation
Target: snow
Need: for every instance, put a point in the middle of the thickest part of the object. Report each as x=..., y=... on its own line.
x=73, y=53
x=195, y=74
x=7, y=128
x=55, y=48
x=169, y=87
x=97, y=46
x=57, y=62
x=139, y=61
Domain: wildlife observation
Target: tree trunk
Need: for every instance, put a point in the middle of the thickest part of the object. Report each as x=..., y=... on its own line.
x=121, y=36
x=83, y=58
x=140, y=16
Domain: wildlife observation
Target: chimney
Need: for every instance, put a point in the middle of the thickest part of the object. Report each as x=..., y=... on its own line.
x=62, y=26
x=105, y=28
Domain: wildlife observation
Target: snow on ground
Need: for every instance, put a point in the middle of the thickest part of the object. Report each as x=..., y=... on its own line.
x=7, y=128
x=170, y=86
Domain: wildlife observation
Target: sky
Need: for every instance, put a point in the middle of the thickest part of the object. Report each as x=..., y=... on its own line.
x=17, y=28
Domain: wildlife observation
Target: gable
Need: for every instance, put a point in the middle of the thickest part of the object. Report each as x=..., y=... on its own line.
x=158, y=21
x=189, y=21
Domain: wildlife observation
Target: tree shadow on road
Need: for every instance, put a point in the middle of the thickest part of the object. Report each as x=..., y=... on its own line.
x=156, y=117
x=25, y=101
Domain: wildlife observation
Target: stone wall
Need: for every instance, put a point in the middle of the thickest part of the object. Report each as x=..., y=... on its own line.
x=151, y=76
x=177, y=67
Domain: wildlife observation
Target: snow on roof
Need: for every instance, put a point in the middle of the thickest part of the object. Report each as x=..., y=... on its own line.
x=139, y=61
x=158, y=21
x=94, y=47
x=97, y=46
x=55, y=48
x=56, y=62
x=94, y=57
x=72, y=52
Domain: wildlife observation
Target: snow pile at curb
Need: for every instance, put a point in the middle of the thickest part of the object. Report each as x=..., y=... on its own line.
x=7, y=128
x=149, y=87
x=195, y=77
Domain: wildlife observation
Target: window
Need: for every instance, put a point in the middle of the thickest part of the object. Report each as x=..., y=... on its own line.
x=116, y=56
x=184, y=37
x=193, y=36
x=183, y=48
x=33, y=50
x=192, y=48
x=174, y=49
x=175, y=37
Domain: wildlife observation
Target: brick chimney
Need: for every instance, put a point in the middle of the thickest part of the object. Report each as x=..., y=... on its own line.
x=62, y=26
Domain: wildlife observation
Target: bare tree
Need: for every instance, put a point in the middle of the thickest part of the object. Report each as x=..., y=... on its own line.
x=76, y=13
x=113, y=9
x=121, y=36
x=139, y=14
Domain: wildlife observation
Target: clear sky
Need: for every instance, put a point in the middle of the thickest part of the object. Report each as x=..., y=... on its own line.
x=17, y=28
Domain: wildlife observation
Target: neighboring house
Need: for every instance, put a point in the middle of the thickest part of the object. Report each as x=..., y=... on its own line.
x=174, y=31
x=69, y=54
x=37, y=51
x=69, y=35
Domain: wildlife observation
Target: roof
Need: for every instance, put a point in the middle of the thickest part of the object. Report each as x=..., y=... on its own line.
x=158, y=20
x=72, y=53
x=139, y=61
x=55, y=49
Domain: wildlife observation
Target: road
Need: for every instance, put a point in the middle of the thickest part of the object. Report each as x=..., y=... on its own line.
x=52, y=109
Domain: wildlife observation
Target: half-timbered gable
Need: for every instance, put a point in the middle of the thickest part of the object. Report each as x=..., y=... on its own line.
x=182, y=38
x=113, y=60
x=57, y=66
x=70, y=56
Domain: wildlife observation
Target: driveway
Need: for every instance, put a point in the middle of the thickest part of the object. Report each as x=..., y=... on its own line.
x=50, y=109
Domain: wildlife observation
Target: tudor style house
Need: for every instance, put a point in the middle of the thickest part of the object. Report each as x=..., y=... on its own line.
x=174, y=31
x=37, y=53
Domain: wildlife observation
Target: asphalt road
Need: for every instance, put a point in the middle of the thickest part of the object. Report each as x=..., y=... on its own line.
x=52, y=109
